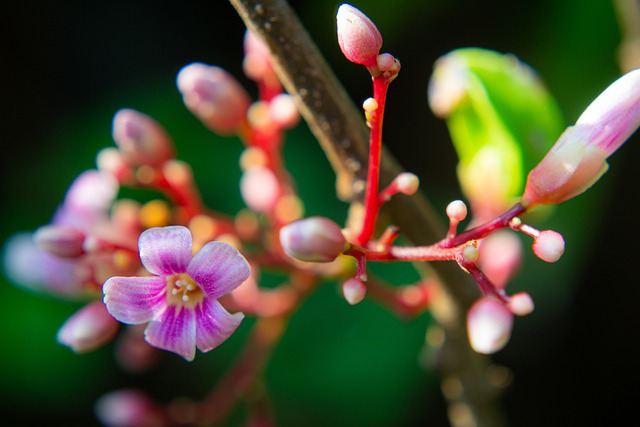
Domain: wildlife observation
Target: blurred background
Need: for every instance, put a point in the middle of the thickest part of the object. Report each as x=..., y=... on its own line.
x=69, y=67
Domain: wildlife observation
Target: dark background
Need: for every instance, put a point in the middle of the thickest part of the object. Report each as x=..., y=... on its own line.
x=67, y=67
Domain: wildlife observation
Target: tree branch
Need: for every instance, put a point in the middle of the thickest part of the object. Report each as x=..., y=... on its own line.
x=339, y=127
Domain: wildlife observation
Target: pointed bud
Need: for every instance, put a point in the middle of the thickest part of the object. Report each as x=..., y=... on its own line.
x=358, y=37
x=578, y=159
x=214, y=96
x=315, y=239
x=88, y=329
x=549, y=246
x=60, y=240
x=354, y=291
x=489, y=325
x=141, y=140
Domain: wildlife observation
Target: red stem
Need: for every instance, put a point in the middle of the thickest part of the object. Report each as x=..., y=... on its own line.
x=371, y=203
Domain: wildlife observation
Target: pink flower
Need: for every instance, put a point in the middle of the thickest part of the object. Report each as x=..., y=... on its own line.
x=180, y=300
x=578, y=158
x=358, y=37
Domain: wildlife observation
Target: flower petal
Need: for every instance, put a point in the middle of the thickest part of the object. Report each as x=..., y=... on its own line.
x=218, y=268
x=134, y=300
x=214, y=324
x=165, y=250
x=174, y=330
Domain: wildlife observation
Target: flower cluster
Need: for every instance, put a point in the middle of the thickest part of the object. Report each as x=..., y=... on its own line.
x=174, y=269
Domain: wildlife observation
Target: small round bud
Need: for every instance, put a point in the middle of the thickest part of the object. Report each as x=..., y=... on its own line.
x=470, y=253
x=521, y=304
x=358, y=37
x=489, y=325
x=457, y=210
x=259, y=188
x=407, y=183
x=500, y=256
x=370, y=105
x=130, y=408
x=284, y=112
x=354, y=290
x=549, y=246
x=314, y=239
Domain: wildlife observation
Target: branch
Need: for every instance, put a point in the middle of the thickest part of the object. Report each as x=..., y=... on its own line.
x=339, y=127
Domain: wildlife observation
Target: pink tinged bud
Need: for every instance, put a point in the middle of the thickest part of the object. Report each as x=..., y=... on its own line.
x=111, y=160
x=314, y=239
x=88, y=329
x=214, y=96
x=60, y=240
x=500, y=257
x=257, y=63
x=489, y=325
x=457, y=211
x=127, y=408
x=521, y=304
x=549, y=246
x=407, y=183
x=358, y=37
x=141, y=139
x=354, y=291
x=259, y=188
x=284, y=112
x=578, y=159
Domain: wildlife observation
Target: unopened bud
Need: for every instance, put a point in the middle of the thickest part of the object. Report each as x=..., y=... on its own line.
x=489, y=325
x=549, y=246
x=214, y=96
x=354, y=290
x=521, y=304
x=127, y=408
x=284, y=112
x=457, y=210
x=314, y=239
x=141, y=139
x=358, y=37
x=257, y=64
x=260, y=188
x=60, y=240
x=578, y=158
x=500, y=257
x=88, y=329
x=407, y=183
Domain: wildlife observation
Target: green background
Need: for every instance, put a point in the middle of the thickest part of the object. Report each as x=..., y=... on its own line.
x=70, y=66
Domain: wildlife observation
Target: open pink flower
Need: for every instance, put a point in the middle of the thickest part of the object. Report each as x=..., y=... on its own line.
x=180, y=302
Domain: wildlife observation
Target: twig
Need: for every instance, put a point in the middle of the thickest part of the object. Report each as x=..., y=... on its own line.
x=339, y=127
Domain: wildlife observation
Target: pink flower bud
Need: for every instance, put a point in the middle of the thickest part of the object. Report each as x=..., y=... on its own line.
x=549, y=246
x=489, y=325
x=578, y=158
x=521, y=304
x=257, y=63
x=283, y=111
x=141, y=139
x=315, y=239
x=457, y=210
x=407, y=183
x=88, y=329
x=127, y=408
x=500, y=257
x=214, y=96
x=259, y=188
x=60, y=240
x=358, y=37
x=354, y=290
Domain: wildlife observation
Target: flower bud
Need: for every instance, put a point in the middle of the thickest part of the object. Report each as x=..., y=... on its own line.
x=354, y=290
x=141, y=140
x=60, y=240
x=521, y=304
x=315, y=239
x=578, y=158
x=489, y=325
x=214, y=96
x=457, y=211
x=127, y=408
x=549, y=246
x=500, y=257
x=358, y=37
x=88, y=329
x=259, y=188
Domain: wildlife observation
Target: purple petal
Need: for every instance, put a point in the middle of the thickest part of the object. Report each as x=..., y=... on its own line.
x=218, y=268
x=174, y=330
x=214, y=324
x=165, y=250
x=134, y=300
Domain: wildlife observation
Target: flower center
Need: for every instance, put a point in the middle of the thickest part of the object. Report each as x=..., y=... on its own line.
x=182, y=290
